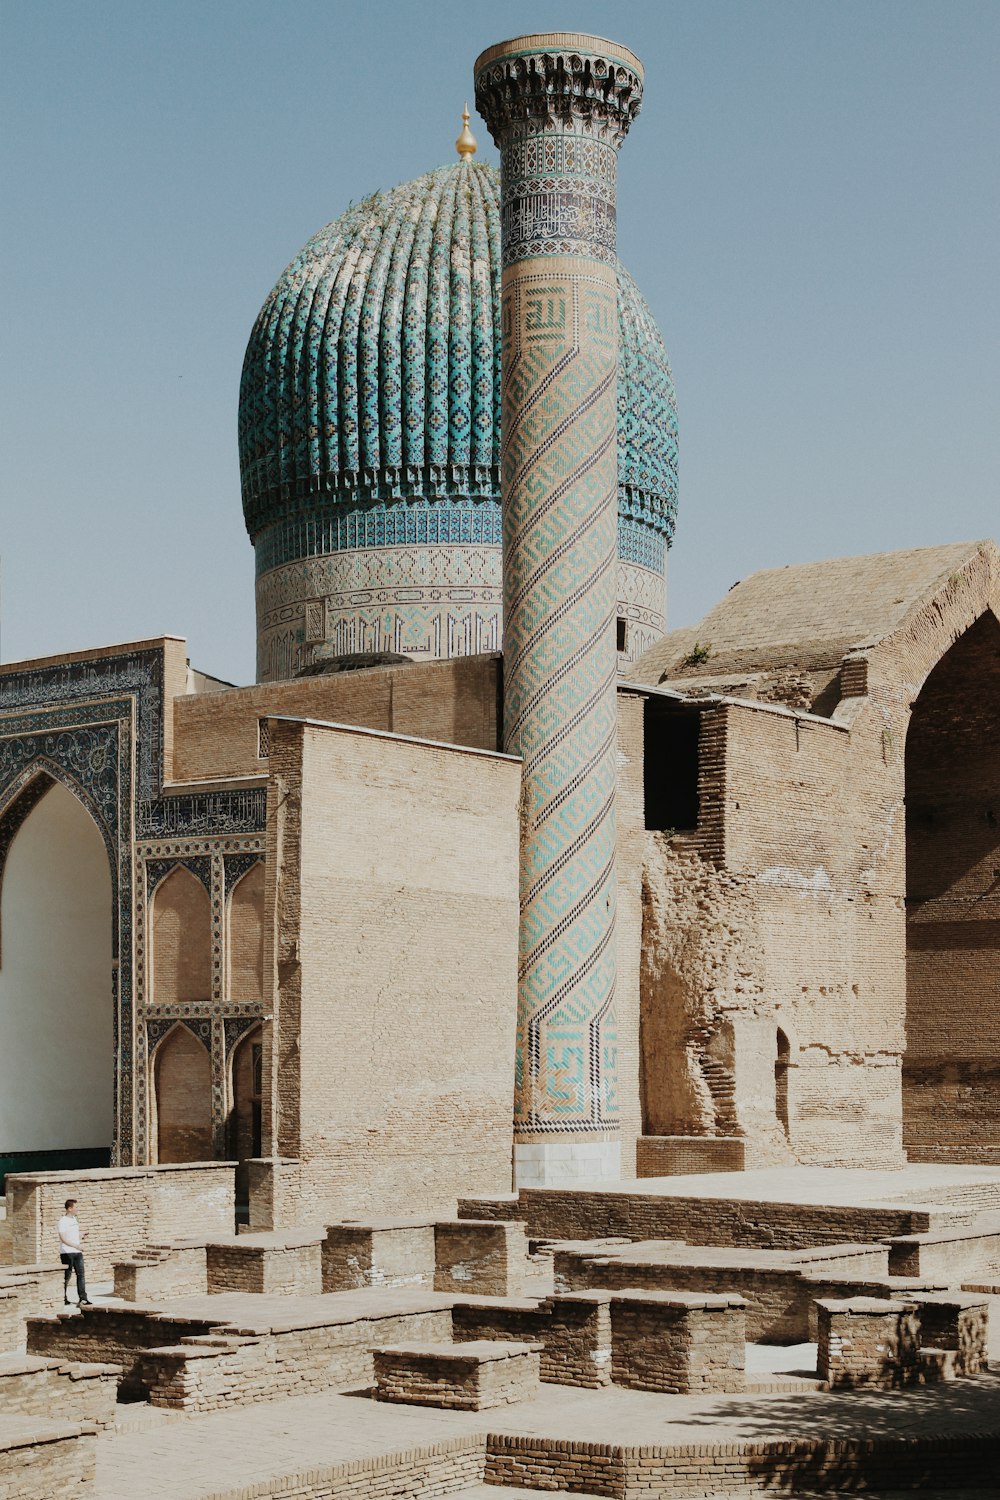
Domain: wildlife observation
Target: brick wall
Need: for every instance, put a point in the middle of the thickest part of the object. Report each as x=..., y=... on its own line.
x=107, y=1335
x=952, y=1077
x=485, y=1258
x=470, y=1376
x=682, y=1155
x=278, y=1265
x=695, y=1470
x=677, y=1343
x=553, y=1214
x=453, y=701
x=54, y=1459
x=391, y=1253
x=866, y=1341
x=121, y=1208
x=392, y=878
x=288, y=1361
x=182, y=1076
x=79, y=1393
x=840, y=884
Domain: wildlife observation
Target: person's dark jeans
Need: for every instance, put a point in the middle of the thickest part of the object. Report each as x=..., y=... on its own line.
x=74, y=1263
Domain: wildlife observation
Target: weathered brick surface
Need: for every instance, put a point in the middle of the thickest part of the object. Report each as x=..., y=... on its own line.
x=953, y=1255
x=485, y=1258
x=121, y=1208
x=682, y=1155
x=385, y=1252
x=573, y=1329
x=867, y=1341
x=693, y=1471
x=576, y=1340
x=840, y=884
x=282, y=1263
x=28, y=1291
x=430, y=1470
x=450, y=701
x=779, y=1287
x=958, y=1323
x=108, y=1335
x=552, y=1213
x=162, y=1271
x=227, y=1368
x=11, y=1322
x=679, y=1343
x=412, y=848
x=57, y=1460
x=469, y=1376
x=77, y=1392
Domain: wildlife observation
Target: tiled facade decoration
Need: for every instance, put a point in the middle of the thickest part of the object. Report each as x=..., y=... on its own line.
x=370, y=425
x=96, y=724
x=558, y=136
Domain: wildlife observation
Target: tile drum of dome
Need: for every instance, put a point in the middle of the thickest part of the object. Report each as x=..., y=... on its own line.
x=370, y=436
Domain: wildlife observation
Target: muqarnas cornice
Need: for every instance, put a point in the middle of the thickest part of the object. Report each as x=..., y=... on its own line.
x=558, y=81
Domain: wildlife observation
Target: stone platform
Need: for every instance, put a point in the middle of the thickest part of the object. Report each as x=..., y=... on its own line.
x=260, y=1395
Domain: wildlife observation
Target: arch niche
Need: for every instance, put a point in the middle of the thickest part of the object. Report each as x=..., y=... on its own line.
x=182, y=1096
x=56, y=991
x=951, y=1073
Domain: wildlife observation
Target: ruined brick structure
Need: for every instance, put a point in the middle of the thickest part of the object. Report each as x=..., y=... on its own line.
x=747, y=873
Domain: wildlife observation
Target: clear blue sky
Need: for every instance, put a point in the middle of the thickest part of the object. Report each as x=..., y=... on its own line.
x=809, y=201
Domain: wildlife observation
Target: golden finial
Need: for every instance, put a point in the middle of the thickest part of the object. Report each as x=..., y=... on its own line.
x=466, y=143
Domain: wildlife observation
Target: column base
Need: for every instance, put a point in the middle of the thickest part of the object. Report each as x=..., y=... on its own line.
x=567, y=1162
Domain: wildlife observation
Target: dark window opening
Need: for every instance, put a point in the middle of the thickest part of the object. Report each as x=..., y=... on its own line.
x=622, y=635
x=670, y=765
x=782, y=1062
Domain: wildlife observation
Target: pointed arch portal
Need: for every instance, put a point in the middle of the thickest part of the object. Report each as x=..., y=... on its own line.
x=56, y=984
x=951, y=1074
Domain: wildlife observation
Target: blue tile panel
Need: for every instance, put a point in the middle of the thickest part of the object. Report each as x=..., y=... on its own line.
x=371, y=384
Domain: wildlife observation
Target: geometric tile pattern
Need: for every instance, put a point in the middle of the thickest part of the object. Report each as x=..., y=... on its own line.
x=370, y=396
x=560, y=670
x=419, y=601
x=96, y=725
x=559, y=117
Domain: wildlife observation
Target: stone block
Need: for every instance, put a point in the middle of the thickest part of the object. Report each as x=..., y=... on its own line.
x=277, y=1264
x=678, y=1341
x=958, y=1324
x=576, y=1339
x=378, y=1252
x=485, y=1257
x=470, y=1376
x=867, y=1341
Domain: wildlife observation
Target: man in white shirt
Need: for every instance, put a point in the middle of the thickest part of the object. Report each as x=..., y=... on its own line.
x=71, y=1253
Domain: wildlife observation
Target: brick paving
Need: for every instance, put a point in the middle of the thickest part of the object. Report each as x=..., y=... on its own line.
x=186, y=1458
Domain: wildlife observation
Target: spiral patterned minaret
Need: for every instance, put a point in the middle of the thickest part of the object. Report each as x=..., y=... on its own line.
x=558, y=105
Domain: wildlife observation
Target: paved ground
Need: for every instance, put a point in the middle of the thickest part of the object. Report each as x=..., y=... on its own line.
x=836, y=1186
x=184, y=1458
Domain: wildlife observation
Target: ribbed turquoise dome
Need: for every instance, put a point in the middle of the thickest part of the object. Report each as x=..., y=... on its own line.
x=370, y=398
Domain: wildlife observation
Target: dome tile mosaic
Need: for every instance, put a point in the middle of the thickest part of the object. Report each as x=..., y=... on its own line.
x=369, y=418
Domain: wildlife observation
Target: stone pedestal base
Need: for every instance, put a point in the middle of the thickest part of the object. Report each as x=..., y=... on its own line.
x=563, y=1163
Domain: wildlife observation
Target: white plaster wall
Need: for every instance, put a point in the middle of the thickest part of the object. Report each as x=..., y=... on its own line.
x=56, y=1053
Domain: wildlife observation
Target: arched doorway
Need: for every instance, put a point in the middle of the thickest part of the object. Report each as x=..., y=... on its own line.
x=56, y=997
x=182, y=1092
x=951, y=1074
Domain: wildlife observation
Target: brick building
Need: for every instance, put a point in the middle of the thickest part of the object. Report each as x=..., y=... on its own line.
x=425, y=901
